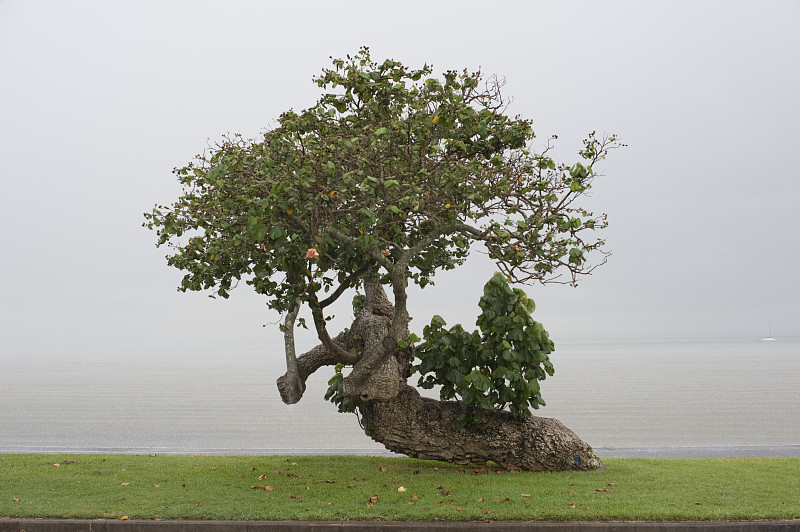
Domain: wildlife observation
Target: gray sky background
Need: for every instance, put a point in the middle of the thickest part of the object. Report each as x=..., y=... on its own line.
x=100, y=100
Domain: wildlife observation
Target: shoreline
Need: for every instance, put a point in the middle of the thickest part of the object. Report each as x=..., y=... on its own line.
x=711, y=451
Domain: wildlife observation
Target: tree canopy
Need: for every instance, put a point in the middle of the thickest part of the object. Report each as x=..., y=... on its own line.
x=394, y=173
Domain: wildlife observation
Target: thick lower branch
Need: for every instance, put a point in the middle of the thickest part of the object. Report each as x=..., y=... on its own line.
x=308, y=363
x=423, y=428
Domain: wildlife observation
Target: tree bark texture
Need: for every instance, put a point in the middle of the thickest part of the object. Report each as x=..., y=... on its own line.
x=422, y=428
x=397, y=416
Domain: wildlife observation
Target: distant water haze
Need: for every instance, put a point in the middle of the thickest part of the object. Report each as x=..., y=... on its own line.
x=735, y=392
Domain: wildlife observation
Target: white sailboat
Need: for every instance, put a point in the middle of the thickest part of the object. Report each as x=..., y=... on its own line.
x=769, y=338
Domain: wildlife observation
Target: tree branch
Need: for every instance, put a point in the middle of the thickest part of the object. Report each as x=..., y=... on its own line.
x=294, y=386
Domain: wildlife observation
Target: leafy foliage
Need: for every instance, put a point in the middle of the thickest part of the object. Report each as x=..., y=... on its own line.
x=335, y=393
x=500, y=365
x=391, y=169
x=394, y=172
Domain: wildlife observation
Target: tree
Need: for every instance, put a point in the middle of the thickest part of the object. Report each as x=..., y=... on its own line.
x=391, y=177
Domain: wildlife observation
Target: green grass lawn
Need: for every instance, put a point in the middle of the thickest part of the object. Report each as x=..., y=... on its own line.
x=357, y=487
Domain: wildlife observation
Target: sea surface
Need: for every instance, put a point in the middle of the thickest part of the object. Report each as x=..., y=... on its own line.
x=646, y=395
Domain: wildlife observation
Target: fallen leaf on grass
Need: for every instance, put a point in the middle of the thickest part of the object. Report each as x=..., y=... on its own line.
x=524, y=495
x=601, y=489
x=486, y=511
x=156, y=485
x=373, y=499
x=260, y=487
x=123, y=518
x=401, y=489
x=15, y=499
x=125, y=484
x=296, y=496
x=56, y=465
x=612, y=484
x=383, y=469
x=415, y=496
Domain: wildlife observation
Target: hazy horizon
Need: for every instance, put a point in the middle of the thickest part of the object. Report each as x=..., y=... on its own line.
x=101, y=100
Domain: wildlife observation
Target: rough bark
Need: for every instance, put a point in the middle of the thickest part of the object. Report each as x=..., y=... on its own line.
x=397, y=416
x=422, y=428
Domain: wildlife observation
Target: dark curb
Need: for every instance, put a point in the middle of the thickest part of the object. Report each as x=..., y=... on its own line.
x=102, y=525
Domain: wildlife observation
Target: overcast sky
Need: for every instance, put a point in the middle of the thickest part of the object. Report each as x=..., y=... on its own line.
x=100, y=100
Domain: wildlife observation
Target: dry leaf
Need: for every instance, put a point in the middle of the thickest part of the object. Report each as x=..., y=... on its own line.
x=125, y=484
x=56, y=465
x=524, y=495
x=15, y=499
x=384, y=469
x=401, y=489
x=262, y=477
x=123, y=518
x=373, y=499
x=486, y=511
x=156, y=485
x=415, y=496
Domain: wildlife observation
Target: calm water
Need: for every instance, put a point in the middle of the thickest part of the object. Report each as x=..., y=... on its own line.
x=738, y=392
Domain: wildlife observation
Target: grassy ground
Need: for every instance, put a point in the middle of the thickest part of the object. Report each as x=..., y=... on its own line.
x=353, y=487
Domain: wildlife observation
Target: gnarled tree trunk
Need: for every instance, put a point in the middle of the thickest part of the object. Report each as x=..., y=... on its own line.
x=422, y=428
x=397, y=416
